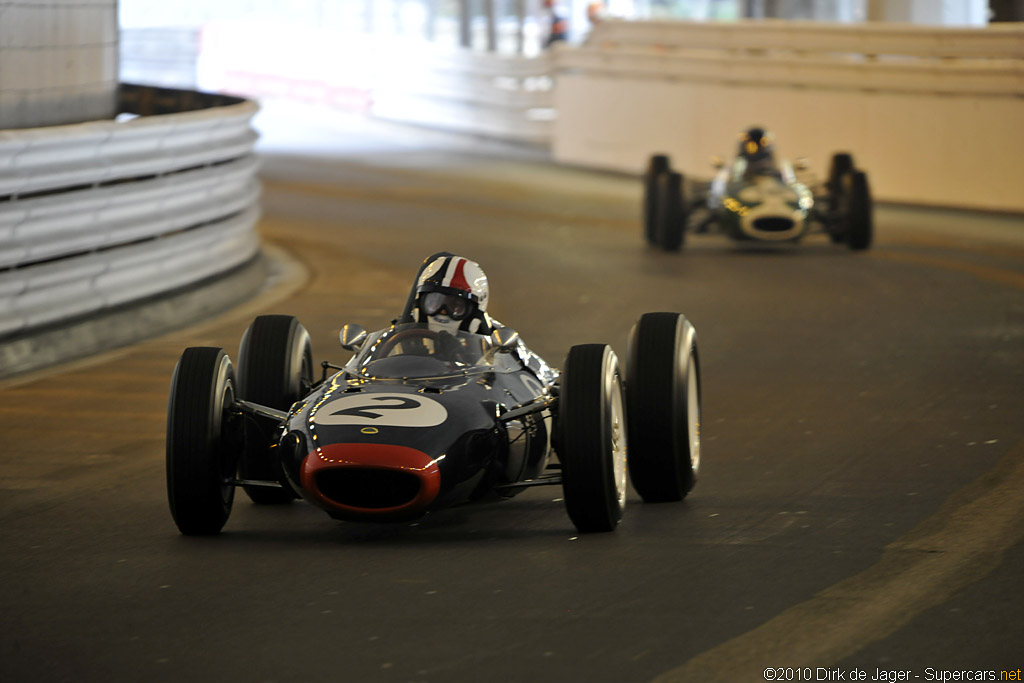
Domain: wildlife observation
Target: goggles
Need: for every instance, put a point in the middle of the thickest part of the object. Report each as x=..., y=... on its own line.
x=456, y=307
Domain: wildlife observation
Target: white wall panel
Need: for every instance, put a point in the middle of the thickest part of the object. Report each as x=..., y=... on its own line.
x=58, y=62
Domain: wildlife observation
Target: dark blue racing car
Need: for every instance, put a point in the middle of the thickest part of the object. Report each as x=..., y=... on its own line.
x=425, y=417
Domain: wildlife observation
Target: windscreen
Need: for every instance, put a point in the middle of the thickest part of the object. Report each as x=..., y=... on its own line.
x=414, y=351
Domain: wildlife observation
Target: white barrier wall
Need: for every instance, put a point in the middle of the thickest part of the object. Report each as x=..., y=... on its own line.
x=933, y=114
x=159, y=56
x=97, y=215
x=58, y=61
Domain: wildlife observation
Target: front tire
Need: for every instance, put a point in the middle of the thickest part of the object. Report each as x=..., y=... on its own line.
x=670, y=215
x=842, y=164
x=275, y=369
x=663, y=403
x=858, y=211
x=658, y=165
x=203, y=441
x=593, y=444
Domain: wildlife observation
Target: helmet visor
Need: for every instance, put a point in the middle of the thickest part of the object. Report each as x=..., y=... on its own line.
x=456, y=307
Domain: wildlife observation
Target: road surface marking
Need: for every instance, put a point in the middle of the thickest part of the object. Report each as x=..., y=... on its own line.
x=958, y=545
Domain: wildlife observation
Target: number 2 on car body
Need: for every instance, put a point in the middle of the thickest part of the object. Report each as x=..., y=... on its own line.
x=382, y=410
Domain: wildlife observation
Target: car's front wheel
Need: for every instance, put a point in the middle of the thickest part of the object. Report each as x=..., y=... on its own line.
x=858, y=210
x=670, y=212
x=203, y=441
x=663, y=403
x=657, y=166
x=592, y=451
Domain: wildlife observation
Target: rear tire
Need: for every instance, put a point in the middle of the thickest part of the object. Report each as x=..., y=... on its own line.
x=275, y=369
x=663, y=404
x=670, y=213
x=203, y=441
x=658, y=165
x=592, y=421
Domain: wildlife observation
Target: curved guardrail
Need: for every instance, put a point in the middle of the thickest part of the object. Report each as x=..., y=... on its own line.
x=101, y=214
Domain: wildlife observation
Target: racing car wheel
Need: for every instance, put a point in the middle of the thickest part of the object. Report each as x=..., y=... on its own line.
x=204, y=440
x=670, y=214
x=592, y=421
x=658, y=165
x=857, y=210
x=275, y=368
x=663, y=402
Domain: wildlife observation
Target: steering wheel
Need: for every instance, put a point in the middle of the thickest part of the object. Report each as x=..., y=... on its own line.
x=403, y=336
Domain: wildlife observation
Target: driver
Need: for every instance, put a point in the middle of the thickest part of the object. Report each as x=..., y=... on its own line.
x=451, y=295
x=757, y=149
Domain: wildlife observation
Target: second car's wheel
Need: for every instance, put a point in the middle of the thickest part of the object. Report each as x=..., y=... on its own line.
x=658, y=165
x=670, y=214
x=842, y=164
x=203, y=441
x=592, y=422
x=275, y=369
x=858, y=210
x=663, y=404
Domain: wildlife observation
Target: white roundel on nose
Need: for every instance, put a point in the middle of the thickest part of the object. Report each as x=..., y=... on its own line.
x=381, y=410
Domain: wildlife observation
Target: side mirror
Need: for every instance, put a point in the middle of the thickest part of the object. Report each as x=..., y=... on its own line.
x=352, y=337
x=717, y=163
x=504, y=339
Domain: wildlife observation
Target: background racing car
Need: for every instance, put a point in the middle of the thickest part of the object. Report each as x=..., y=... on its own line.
x=419, y=420
x=757, y=198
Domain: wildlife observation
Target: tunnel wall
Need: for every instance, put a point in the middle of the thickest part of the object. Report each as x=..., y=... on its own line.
x=58, y=62
x=933, y=114
x=97, y=215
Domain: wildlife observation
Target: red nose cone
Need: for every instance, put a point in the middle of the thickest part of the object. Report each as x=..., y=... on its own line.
x=371, y=481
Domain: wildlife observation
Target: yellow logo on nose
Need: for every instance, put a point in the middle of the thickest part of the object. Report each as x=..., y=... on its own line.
x=369, y=430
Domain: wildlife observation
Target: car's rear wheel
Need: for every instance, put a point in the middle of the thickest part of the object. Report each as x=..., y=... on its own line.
x=670, y=213
x=203, y=441
x=275, y=369
x=658, y=165
x=592, y=450
x=858, y=210
x=663, y=404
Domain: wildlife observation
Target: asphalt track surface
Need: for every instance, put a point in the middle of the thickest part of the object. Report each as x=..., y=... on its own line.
x=861, y=501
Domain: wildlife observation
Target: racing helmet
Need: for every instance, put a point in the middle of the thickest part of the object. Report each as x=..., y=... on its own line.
x=451, y=293
x=756, y=144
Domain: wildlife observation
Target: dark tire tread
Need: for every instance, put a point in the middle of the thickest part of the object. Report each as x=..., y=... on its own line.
x=659, y=465
x=587, y=468
x=200, y=450
x=860, y=222
x=669, y=212
x=265, y=369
